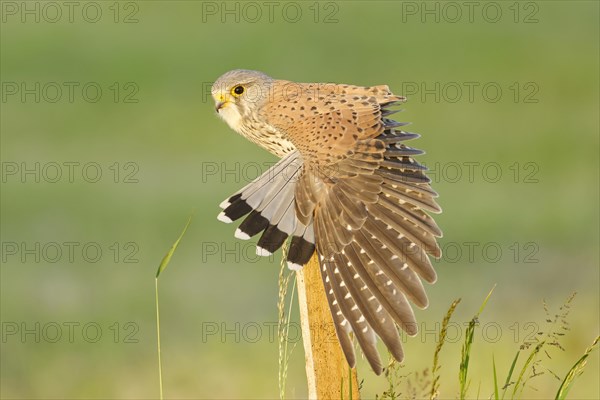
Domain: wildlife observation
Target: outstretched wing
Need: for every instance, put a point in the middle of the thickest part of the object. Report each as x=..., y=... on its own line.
x=367, y=199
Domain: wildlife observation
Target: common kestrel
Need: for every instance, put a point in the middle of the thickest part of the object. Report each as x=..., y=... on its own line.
x=346, y=185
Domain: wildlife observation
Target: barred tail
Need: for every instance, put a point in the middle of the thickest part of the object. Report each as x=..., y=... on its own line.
x=268, y=205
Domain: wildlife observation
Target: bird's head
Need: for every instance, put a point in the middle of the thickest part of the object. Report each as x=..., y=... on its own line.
x=239, y=94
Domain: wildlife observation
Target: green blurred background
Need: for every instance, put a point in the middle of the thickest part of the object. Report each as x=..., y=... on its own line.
x=517, y=172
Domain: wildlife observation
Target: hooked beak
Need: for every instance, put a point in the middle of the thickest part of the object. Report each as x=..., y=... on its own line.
x=221, y=101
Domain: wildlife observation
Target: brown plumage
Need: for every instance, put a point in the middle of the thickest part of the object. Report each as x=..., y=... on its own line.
x=347, y=185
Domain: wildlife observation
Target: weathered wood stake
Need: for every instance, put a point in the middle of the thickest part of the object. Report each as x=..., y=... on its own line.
x=327, y=371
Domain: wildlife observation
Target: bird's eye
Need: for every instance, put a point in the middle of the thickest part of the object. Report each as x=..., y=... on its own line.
x=238, y=90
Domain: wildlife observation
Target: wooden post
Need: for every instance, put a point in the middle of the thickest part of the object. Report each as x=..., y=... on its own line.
x=327, y=371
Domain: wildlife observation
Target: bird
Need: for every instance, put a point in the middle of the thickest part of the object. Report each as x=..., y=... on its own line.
x=346, y=186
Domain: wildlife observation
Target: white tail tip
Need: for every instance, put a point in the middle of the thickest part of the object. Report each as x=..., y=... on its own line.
x=224, y=218
x=262, y=252
x=294, y=266
x=241, y=235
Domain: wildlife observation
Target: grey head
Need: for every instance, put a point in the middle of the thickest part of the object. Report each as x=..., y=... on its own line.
x=239, y=94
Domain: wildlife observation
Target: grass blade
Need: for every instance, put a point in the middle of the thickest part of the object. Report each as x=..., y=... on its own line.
x=349, y=385
x=284, y=320
x=434, y=370
x=466, y=349
x=510, y=372
x=160, y=381
x=167, y=258
x=465, y=357
x=350, y=382
x=486, y=300
x=532, y=355
x=574, y=372
x=496, y=396
x=163, y=264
